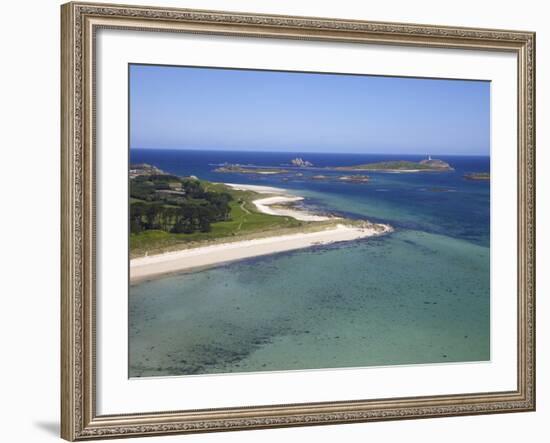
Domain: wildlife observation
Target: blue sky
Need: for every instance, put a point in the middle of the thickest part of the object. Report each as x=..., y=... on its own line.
x=247, y=110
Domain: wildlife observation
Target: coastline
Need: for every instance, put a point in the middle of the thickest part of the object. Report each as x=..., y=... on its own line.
x=281, y=197
x=265, y=205
x=145, y=268
x=186, y=260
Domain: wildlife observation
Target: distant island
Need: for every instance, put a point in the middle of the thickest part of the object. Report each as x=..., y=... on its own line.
x=478, y=176
x=345, y=178
x=238, y=169
x=274, y=170
x=354, y=178
x=426, y=165
x=397, y=166
x=429, y=164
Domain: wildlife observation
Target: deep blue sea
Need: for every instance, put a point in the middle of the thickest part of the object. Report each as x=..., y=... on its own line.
x=418, y=295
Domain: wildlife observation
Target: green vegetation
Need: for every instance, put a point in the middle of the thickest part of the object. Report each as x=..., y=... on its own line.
x=478, y=176
x=392, y=166
x=169, y=213
x=172, y=204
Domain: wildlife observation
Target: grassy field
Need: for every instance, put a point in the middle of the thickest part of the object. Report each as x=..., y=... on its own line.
x=246, y=222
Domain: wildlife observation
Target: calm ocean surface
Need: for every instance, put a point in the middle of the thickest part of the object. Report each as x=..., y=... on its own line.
x=419, y=295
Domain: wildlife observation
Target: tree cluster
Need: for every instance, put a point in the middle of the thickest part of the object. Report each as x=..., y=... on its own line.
x=173, y=204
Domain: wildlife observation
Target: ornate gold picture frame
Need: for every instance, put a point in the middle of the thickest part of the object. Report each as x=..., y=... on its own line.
x=80, y=22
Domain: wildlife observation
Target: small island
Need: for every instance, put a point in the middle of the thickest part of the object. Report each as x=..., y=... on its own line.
x=357, y=178
x=478, y=176
x=238, y=169
x=426, y=165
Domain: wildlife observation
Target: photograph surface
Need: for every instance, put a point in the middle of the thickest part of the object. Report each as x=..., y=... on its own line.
x=300, y=220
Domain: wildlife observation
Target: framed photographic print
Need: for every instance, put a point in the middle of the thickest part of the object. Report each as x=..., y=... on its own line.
x=281, y=221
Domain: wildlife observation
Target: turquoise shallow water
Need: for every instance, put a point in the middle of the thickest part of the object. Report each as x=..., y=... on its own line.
x=419, y=295
x=337, y=306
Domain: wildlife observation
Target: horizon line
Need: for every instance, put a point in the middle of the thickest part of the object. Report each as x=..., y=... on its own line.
x=304, y=152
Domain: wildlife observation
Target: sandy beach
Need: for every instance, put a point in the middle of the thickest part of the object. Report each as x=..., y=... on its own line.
x=265, y=204
x=145, y=268
x=149, y=267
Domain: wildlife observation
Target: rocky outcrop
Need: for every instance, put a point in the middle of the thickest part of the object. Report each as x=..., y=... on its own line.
x=301, y=163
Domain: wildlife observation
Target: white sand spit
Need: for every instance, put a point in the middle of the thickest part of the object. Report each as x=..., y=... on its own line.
x=264, y=205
